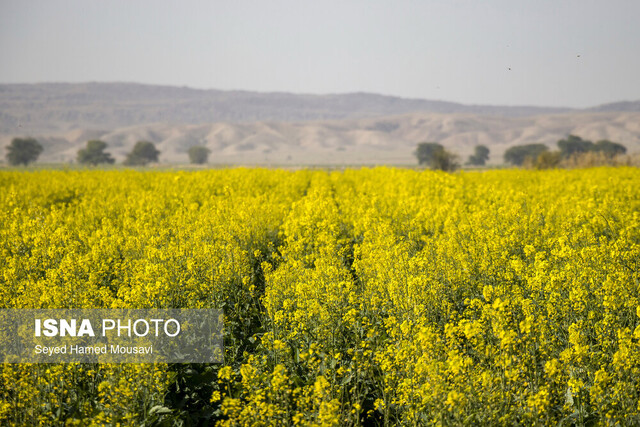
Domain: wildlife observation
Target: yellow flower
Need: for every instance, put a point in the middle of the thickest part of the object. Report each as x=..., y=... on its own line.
x=225, y=373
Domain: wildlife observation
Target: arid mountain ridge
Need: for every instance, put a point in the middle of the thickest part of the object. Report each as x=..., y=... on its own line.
x=282, y=128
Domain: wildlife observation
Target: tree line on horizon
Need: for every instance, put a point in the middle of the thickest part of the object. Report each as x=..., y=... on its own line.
x=539, y=155
x=435, y=156
x=23, y=151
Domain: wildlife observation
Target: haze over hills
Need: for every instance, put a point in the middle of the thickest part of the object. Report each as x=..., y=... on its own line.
x=64, y=106
x=251, y=127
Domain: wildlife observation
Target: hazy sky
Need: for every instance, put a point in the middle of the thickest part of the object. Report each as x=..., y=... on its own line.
x=556, y=52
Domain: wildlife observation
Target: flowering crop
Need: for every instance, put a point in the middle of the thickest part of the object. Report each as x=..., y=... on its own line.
x=379, y=296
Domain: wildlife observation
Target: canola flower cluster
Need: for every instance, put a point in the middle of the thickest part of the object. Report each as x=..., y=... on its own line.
x=373, y=296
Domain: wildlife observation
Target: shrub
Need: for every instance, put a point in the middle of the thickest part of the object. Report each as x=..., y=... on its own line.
x=548, y=160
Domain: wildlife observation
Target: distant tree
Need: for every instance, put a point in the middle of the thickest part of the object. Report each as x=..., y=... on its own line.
x=518, y=154
x=436, y=157
x=143, y=152
x=608, y=148
x=425, y=152
x=23, y=151
x=94, y=153
x=574, y=145
x=444, y=160
x=479, y=157
x=199, y=154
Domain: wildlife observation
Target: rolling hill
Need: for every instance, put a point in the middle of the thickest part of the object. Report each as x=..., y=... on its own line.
x=256, y=128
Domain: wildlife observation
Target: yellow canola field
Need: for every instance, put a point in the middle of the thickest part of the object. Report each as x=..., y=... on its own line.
x=372, y=296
